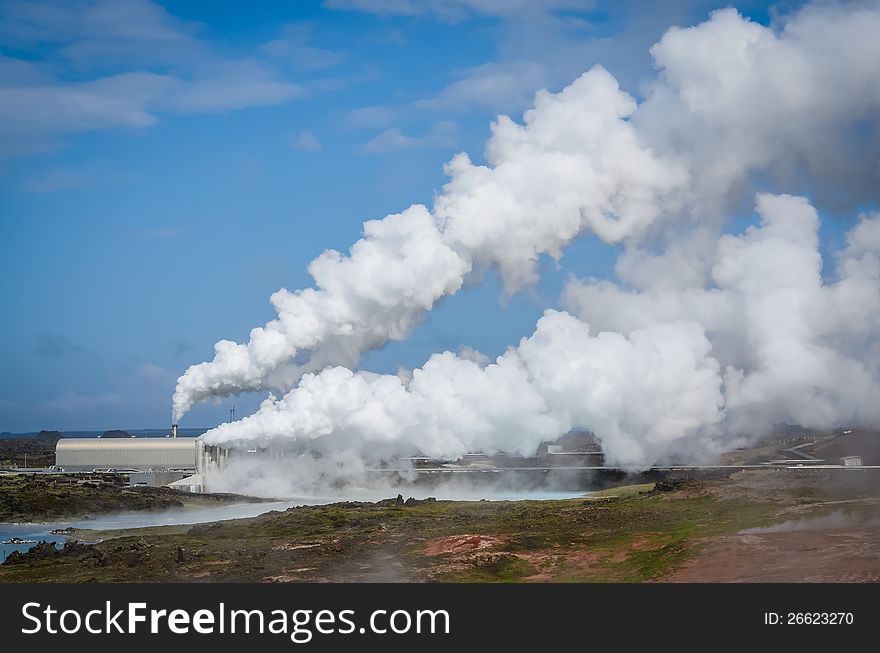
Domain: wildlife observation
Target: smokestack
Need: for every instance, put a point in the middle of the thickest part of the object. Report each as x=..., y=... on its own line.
x=174, y=430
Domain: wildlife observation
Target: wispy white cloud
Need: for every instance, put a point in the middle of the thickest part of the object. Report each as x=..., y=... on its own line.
x=159, y=65
x=392, y=36
x=294, y=47
x=455, y=10
x=306, y=140
x=496, y=86
x=540, y=45
x=229, y=85
x=33, y=115
x=341, y=82
x=442, y=134
x=390, y=140
x=373, y=117
x=73, y=403
x=153, y=372
x=24, y=21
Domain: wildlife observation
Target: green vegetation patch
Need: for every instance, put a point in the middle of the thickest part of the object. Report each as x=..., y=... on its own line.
x=46, y=497
x=504, y=568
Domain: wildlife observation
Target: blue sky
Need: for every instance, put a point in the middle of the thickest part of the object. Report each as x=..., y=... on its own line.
x=164, y=167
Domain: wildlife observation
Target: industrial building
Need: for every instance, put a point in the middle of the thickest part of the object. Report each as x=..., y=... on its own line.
x=142, y=454
x=146, y=461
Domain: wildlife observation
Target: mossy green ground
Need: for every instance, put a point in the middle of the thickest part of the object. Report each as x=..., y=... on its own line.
x=637, y=535
x=45, y=497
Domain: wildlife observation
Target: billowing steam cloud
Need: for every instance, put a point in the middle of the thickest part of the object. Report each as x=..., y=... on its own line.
x=791, y=347
x=641, y=393
x=652, y=386
x=547, y=183
x=705, y=337
x=394, y=274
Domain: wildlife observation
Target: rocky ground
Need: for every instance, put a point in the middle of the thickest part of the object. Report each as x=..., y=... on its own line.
x=47, y=497
x=37, y=451
x=757, y=525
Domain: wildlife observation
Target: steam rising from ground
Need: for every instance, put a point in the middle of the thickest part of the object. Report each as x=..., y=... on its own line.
x=345, y=476
x=837, y=520
x=704, y=339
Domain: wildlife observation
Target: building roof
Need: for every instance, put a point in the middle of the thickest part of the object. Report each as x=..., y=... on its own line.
x=126, y=444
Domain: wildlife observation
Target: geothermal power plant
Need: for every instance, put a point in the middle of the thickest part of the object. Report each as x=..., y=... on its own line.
x=574, y=461
x=177, y=462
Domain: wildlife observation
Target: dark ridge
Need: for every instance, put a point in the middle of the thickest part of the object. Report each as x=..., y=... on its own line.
x=51, y=436
x=116, y=433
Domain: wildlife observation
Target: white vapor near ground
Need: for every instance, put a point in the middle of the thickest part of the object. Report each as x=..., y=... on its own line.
x=704, y=339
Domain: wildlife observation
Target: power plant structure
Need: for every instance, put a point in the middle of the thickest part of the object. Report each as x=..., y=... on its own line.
x=576, y=458
x=180, y=462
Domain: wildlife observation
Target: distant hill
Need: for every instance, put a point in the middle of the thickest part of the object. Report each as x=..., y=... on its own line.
x=138, y=433
x=116, y=433
x=51, y=436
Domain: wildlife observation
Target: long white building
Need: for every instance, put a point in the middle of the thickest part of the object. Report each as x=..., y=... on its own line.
x=142, y=454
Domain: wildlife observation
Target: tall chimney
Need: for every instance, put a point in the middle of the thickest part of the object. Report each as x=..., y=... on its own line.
x=174, y=430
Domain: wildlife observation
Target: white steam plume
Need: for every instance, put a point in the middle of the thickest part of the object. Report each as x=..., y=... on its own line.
x=575, y=164
x=641, y=392
x=793, y=348
x=394, y=274
x=702, y=338
x=653, y=388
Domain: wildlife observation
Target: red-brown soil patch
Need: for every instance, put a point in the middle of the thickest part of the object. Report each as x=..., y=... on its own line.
x=820, y=556
x=460, y=544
